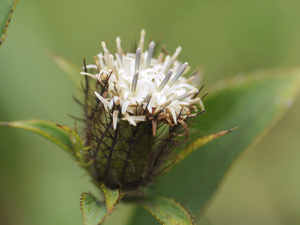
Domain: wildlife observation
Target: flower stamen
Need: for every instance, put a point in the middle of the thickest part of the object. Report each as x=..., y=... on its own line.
x=150, y=54
x=179, y=73
x=165, y=81
x=172, y=59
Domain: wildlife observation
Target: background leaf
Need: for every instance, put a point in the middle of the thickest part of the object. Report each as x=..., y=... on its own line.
x=63, y=136
x=93, y=211
x=6, y=9
x=252, y=103
x=165, y=210
x=70, y=68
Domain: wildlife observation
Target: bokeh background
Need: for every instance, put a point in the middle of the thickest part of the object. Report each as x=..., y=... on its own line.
x=40, y=184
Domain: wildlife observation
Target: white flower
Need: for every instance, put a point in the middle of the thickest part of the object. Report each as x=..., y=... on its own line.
x=141, y=88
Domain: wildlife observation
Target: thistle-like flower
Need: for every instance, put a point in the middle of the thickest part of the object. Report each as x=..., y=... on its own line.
x=136, y=106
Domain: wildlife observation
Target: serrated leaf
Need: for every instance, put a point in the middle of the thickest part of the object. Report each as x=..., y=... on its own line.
x=166, y=210
x=253, y=103
x=93, y=211
x=6, y=9
x=112, y=198
x=62, y=136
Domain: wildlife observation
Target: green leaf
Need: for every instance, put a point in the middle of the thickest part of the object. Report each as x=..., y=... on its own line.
x=197, y=144
x=6, y=9
x=93, y=211
x=112, y=198
x=165, y=210
x=253, y=103
x=62, y=136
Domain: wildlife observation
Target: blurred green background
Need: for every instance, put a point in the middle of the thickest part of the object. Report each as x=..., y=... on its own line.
x=40, y=184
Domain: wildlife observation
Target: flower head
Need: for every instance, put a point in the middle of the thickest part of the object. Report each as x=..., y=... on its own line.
x=135, y=105
x=141, y=87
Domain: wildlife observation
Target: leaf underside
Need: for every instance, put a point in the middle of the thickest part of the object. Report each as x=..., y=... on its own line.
x=253, y=103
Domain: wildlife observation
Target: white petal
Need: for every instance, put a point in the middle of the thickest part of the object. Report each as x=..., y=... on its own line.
x=129, y=119
x=149, y=107
x=125, y=106
x=137, y=118
x=111, y=104
x=173, y=114
x=91, y=66
x=88, y=74
x=115, y=118
x=103, y=100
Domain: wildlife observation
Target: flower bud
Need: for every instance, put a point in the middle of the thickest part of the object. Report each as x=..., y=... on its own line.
x=135, y=109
